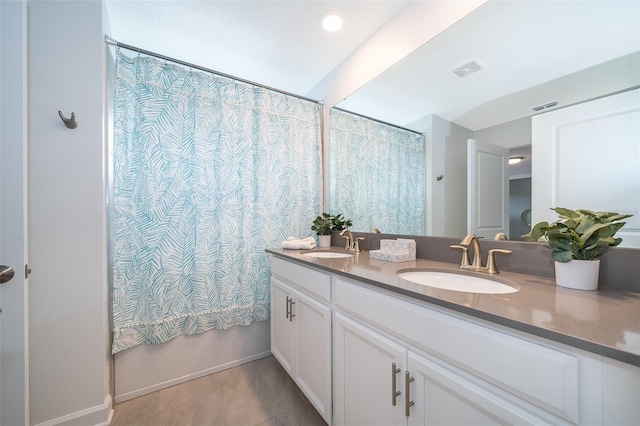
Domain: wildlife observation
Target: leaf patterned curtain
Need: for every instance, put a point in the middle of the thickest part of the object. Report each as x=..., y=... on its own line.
x=376, y=174
x=207, y=173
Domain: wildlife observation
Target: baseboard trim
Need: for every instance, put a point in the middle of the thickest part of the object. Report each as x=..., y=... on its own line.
x=192, y=376
x=100, y=415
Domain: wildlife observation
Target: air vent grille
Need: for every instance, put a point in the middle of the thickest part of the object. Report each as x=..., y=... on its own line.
x=544, y=106
x=468, y=68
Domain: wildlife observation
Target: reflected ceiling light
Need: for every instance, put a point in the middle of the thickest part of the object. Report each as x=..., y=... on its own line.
x=332, y=22
x=515, y=160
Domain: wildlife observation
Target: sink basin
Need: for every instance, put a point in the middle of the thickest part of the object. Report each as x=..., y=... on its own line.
x=455, y=282
x=327, y=254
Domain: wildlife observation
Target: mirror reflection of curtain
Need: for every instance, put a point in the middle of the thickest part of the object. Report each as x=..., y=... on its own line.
x=376, y=174
x=207, y=173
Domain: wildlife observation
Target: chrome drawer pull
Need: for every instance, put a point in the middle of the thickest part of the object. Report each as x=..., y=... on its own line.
x=407, y=399
x=291, y=314
x=394, y=392
x=288, y=307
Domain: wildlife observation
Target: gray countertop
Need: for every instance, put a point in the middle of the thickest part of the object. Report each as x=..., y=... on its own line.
x=605, y=322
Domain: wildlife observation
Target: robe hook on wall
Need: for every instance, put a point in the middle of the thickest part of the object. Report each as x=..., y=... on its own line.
x=69, y=122
x=439, y=178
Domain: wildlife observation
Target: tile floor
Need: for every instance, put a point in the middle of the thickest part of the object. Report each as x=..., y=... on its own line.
x=256, y=393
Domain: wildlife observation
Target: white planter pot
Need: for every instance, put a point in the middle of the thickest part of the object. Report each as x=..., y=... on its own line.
x=324, y=240
x=578, y=274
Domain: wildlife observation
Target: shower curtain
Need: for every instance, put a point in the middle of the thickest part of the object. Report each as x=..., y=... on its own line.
x=376, y=174
x=207, y=173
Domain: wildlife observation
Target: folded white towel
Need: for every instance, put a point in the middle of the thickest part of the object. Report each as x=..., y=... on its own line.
x=293, y=243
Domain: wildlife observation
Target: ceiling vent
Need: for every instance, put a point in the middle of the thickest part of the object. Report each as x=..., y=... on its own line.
x=544, y=106
x=466, y=69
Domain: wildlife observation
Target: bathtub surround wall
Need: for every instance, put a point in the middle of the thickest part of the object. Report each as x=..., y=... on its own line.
x=148, y=368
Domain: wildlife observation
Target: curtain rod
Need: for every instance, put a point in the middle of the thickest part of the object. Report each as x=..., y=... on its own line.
x=113, y=42
x=379, y=121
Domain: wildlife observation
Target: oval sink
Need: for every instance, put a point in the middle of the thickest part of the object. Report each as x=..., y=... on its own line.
x=327, y=254
x=456, y=282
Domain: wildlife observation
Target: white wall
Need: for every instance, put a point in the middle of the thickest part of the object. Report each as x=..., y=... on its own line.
x=67, y=215
x=446, y=154
x=512, y=134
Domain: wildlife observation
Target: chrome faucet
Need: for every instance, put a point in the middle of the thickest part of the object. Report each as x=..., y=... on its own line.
x=352, y=244
x=477, y=265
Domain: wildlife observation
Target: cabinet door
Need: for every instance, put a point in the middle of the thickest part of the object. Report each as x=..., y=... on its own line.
x=363, y=376
x=445, y=395
x=312, y=321
x=282, y=327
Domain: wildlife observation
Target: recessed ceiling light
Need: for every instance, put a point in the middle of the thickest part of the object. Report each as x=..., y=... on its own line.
x=515, y=160
x=332, y=23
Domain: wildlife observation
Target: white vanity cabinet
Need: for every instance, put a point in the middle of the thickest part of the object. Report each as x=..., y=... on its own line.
x=301, y=329
x=396, y=362
x=367, y=356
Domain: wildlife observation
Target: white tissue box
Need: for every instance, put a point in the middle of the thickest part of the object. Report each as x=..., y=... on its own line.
x=400, y=250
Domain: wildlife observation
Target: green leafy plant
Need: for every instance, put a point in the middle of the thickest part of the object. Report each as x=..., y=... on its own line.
x=339, y=223
x=325, y=223
x=578, y=234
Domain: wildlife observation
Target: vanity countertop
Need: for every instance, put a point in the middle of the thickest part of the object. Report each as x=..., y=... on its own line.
x=605, y=322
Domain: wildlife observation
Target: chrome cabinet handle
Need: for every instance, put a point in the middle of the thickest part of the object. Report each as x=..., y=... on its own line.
x=288, y=308
x=407, y=398
x=291, y=314
x=394, y=391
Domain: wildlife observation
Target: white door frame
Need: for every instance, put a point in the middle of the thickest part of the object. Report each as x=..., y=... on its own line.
x=487, y=189
x=14, y=384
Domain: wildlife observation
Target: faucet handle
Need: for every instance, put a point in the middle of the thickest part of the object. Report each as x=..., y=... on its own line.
x=491, y=263
x=464, y=262
x=357, y=243
x=347, y=245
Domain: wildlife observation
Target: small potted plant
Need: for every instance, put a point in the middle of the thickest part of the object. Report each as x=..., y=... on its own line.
x=576, y=240
x=325, y=224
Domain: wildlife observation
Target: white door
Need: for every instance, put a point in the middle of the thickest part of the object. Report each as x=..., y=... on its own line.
x=13, y=225
x=487, y=189
x=282, y=325
x=444, y=395
x=587, y=156
x=312, y=325
x=364, y=377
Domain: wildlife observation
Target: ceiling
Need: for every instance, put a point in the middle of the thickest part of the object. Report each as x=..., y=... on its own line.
x=281, y=44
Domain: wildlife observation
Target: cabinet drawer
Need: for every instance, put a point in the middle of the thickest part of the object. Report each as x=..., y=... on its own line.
x=543, y=376
x=311, y=281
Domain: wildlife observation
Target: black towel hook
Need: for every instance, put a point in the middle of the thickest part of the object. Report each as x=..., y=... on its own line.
x=69, y=122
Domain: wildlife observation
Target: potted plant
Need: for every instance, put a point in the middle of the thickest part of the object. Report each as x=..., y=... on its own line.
x=576, y=240
x=325, y=224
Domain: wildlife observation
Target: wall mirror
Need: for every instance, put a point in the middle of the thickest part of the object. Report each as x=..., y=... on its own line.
x=487, y=75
